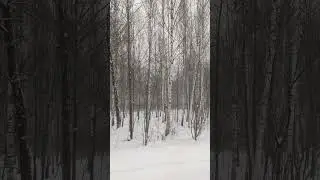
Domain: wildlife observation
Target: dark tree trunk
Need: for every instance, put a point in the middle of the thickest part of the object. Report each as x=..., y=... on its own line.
x=214, y=76
x=74, y=102
x=93, y=141
x=16, y=99
x=63, y=58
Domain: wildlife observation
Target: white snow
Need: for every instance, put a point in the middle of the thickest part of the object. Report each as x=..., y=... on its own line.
x=178, y=157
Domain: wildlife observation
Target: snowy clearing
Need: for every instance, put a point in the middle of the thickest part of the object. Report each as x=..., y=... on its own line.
x=178, y=157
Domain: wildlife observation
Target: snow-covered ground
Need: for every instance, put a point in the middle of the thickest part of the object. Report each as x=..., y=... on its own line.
x=178, y=157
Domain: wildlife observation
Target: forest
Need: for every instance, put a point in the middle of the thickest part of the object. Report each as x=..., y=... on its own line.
x=90, y=87
x=76, y=73
x=55, y=92
x=159, y=62
x=160, y=89
x=264, y=104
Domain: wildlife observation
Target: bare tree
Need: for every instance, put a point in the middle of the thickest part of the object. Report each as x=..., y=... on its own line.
x=215, y=85
x=198, y=120
x=63, y=36
x=113, y=64
x=17, y=122
x=130, y=79
x=148, y=86
x=168, y=73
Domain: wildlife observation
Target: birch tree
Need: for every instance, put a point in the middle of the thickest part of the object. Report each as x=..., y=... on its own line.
x=148, y=86
x=198, y=120
x=128, y=9
x=113, y=64
x=168, y=69
x=184, y=55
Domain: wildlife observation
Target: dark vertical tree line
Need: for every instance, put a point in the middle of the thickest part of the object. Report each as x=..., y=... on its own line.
x=54, y=87
x=264, y=65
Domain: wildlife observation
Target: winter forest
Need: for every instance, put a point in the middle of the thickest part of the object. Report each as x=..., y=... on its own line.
x=160, y=89
x=124, y=89
x=81, y=79
x=54, y=92
x=264, y=59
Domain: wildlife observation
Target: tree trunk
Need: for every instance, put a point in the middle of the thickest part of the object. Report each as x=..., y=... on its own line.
x=62, y=56
x=148, y=94
x=215, y=84
x=177, y=95
x=168, y=73
x=235, y=122
x=74, y=102
x=129, y=71
x=35, y=130
x=93, y=141
x=16, y=109
x=163, y=65
x=115, y=94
